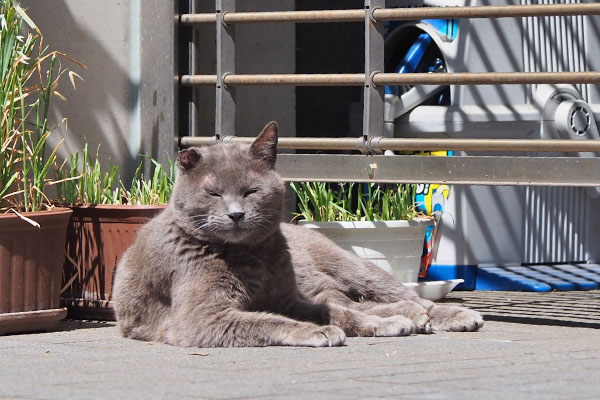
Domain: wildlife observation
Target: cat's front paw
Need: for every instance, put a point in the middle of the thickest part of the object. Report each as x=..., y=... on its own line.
x=321, y=336
x=455, y=319
x=397, y=325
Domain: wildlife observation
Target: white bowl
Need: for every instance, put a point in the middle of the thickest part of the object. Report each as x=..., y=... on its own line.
x=433, y=290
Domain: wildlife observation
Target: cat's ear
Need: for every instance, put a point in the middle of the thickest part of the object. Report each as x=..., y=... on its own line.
x=187, y=159
x=264, y=147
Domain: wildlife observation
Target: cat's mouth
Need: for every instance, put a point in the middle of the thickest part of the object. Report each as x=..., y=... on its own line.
x=236, y=231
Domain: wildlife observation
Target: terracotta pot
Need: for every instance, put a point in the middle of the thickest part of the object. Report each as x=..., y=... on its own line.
x=97, y=237
x=31, y=261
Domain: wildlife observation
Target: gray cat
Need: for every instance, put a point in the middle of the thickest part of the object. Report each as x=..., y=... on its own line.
x=218, y=268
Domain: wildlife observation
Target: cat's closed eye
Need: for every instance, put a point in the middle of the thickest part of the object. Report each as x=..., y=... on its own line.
x=250, y=191
x=212, y=193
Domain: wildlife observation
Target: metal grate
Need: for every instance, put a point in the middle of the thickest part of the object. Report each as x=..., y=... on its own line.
x=550, y=68
x=554, y=224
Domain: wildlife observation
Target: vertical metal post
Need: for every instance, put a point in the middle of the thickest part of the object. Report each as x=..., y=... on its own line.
x=374, y=62
x=225, y=96
x=184, y=38
x=193, y=61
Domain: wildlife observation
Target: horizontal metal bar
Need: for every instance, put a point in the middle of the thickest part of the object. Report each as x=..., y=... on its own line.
x=514, y=171
x=413, y=144
x=279, y=16
x=487, y=78
x=296, y=79
x=398, y=14
x=196, y=19
x=277, y=79
x=457, y=78
x=296, y=143
x=524, y=145
x=192, y=80
x=511, y=11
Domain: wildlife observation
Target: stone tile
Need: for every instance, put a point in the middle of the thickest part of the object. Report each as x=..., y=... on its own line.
x=521, y=359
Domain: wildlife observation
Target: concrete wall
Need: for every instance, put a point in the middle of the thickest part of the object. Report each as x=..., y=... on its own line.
x=98, y=35
x=128, y=101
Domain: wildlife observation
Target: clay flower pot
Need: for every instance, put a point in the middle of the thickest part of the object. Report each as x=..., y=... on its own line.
x=31, y=261
x=97, y=237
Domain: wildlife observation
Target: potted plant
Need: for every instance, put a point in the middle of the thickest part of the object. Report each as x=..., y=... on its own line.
x=107, y=215
x=32, y=232
x=378, y=223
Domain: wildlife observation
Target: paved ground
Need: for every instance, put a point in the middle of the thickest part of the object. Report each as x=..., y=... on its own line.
x=544, y=346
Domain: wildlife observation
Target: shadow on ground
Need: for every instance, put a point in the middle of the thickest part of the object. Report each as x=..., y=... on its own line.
x=577, y=309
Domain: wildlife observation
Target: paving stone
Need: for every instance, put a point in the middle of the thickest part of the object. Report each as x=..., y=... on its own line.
x=533, y=346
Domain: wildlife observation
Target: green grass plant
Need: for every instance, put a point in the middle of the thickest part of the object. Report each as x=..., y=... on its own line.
x=88, y=184
x=326, y=202
x=29, y=77
x=83, y=181
x=150, y=191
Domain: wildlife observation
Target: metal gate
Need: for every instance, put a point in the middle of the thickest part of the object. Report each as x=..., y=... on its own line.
x=371, y=165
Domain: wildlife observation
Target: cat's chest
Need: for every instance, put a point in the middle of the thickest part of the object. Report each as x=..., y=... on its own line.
x=266, y=279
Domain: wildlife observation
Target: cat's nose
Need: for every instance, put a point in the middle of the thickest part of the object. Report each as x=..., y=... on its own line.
x=236, y=216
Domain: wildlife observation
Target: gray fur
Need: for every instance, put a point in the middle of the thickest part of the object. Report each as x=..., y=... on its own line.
x=217, y=268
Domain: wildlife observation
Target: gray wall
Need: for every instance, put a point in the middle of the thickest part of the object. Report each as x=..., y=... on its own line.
x=127, y=103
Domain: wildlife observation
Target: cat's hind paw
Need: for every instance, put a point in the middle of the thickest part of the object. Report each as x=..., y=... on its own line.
x=455, y=319
x=322, y=336
x=373, y=325
x=397, y=325
x=417, y=313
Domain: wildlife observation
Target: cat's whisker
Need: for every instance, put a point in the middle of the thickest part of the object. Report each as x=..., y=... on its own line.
x=196, y=217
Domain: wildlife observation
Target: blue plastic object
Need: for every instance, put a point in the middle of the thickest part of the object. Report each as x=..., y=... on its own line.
x=495, y=278
x=579, y=271
x=556, y=283
x=412, y=59
x=529, y=278
x=561, y=274
x=538, y=277
x=446, y=27
x=447, y=272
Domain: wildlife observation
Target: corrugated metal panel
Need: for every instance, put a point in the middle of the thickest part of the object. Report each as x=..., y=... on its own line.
x=554, y=44
x=555, y=225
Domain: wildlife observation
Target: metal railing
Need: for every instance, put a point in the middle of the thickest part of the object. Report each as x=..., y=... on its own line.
x=381, y=78
x=395, y=14
x=564, y=171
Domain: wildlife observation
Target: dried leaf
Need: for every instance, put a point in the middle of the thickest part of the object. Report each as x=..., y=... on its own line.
x=26, y=18
x=72, y=76
x=24, y=218
x=60, y=96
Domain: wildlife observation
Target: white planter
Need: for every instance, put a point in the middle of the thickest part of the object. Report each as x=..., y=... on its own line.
x=394, y=246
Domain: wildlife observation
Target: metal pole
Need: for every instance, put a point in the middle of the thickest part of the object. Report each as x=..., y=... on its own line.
x=225, y=95
x=374, y=64
x=194, y=58
x=414, y=144
x=398, y=14
x=296, y=79
x=487, y=78
x=382, y=79
x=190, y=80
x=515, y=11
